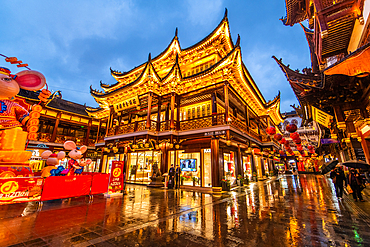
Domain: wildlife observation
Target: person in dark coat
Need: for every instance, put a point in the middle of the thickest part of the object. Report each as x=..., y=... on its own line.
x=355, y=181
x=171, y=176
x=339, y=181
x=177, y=177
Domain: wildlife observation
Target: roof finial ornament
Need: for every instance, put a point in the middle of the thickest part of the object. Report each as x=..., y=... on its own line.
x=176, y=32
x=150, y=57
x=238, y=41
x=225, y=16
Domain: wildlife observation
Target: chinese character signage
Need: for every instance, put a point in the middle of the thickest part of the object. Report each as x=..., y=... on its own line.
x=17, y=190
x=116, y=177
x=142, y=145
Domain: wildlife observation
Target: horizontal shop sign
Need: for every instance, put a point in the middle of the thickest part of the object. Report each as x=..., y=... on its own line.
x=215, y=133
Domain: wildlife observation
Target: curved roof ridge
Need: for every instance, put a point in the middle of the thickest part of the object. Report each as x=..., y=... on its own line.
x=173, y=41
x=148, y=65
x=176, y=64
x=222, y=22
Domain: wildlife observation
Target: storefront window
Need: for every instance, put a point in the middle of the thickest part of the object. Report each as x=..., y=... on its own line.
x=229, y=167
x=190, y=168
x=207, y=169
x=141, y=165
x=258, y=166
x=247, y=166
x=110, y=160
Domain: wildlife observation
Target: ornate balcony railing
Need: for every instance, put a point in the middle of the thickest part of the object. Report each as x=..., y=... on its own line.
x=44, y=137
x=189, y=124
x=196, y=123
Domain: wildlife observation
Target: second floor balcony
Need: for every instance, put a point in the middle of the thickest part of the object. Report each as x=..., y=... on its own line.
x=191, y=124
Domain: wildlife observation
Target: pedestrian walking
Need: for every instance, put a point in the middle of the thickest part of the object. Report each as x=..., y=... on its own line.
x=339, y=181
x=355, y=181
x=171, y=177
x=177, y=177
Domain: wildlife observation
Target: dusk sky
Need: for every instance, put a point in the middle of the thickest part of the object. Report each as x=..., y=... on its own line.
x=74, y=43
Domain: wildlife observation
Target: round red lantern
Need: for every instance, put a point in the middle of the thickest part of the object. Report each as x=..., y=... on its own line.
x=271, y=130
x=294, y=135
x=287, y=143
x=297, y=141
x=291, y=128
x=282, y=141
x=278, y=137
x=299, y=147
x=309, y=147
x=281, y=152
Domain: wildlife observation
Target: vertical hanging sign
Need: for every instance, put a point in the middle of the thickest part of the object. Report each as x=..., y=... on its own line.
x=116, y=177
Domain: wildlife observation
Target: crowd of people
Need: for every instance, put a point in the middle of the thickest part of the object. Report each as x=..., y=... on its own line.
x=354, y=182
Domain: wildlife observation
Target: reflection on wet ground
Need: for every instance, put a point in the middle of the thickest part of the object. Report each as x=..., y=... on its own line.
x=277, y=212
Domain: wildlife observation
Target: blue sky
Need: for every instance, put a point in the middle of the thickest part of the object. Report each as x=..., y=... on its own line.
x=74, y=43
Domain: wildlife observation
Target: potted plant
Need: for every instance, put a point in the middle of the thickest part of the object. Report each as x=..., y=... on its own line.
x=182, y=178
x=240, y=180
x=246, y=180
x=254, y=175
x=225, y=183
x=195, y=180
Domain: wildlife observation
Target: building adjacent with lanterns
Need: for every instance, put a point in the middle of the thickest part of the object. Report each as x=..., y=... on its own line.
x=197, y=107
x=334, y=92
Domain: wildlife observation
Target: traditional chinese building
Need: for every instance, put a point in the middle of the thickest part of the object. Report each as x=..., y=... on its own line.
x=335, y=91
x=60, y=121
x=196, y=107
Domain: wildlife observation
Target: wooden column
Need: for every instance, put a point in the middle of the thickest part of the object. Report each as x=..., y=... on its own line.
x=172, y=122
x=215, y=162
x=159, y=113
x=88, y=132
x=240, y=163
x=178, y=113
x=167, y=117
x=214, y=108
x=226, y=93
x=97, y=134
x=247, y=117
x=54, y=135
x=148, y=120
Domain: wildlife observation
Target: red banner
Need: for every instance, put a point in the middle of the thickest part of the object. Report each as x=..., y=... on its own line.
x=116, y=177
x=65, y=187
x=99, y=183
x=17, y=190
x=8, y=170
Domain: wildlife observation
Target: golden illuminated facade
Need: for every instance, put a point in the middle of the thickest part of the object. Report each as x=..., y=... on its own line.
x=197, y=105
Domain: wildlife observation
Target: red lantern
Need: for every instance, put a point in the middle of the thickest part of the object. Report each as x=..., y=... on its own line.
x=282, y=141
x=299, y=147
x=281, y=152
x=309, y=147
x=287, y=143
x=278, y=137
x=297, y=141
x=294, y=135
x=291, y=128
x=271, y=130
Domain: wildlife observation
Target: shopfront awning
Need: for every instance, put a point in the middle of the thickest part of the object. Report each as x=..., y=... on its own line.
x=355, y=64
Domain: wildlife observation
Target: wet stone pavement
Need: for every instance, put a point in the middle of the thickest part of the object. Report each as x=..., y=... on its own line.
x=276, y=212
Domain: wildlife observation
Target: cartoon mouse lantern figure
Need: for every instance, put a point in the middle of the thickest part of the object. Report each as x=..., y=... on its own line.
x=12, y=115
x=75, y=154
x=51, y=161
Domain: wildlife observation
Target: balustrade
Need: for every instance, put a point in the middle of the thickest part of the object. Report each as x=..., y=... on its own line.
x=189, y=124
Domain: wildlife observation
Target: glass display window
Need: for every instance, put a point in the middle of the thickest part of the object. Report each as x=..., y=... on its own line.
x=247, y=166
x=190, y=164
x=207, y=168
x=229, y=167
x=141, y=164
